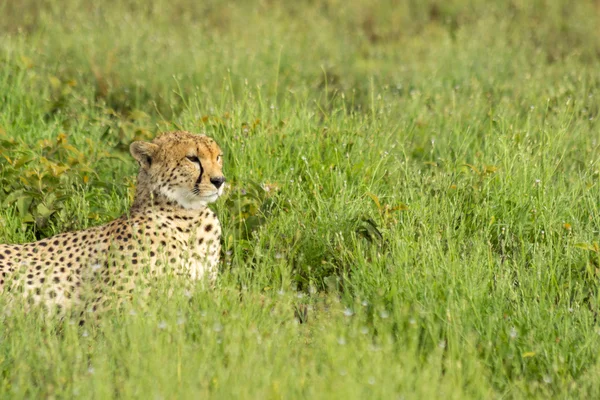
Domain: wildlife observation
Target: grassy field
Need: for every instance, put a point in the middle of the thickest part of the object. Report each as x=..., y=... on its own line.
x=417, y=182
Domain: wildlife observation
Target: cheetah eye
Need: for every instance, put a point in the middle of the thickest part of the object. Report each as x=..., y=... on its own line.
x=193, y=159
x=219, y=158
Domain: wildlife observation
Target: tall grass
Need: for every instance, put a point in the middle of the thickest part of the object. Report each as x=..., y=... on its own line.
x=414, y=194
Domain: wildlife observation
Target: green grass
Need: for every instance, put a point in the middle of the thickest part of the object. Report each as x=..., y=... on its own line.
x=433, y=212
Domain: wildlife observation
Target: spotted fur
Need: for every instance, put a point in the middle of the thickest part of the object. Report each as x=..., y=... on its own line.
x=169, y=230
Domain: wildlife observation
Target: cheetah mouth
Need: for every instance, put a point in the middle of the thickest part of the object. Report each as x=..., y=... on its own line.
x=209, y=198
x=205, y=196
x=191, y=199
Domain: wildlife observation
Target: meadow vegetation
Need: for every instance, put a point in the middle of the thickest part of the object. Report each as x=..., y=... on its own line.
x=413, y=207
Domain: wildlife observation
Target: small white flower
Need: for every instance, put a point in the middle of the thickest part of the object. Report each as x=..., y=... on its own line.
x=162, y=325
x=348, y=312
x=513, y=332
x=384, y=314
x=217, y=327
x=341, y=340
x=96, y=267
x=91, y=370
x=371, y=380
x=85, y=334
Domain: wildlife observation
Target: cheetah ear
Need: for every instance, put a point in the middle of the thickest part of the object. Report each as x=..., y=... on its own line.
x=143, y=153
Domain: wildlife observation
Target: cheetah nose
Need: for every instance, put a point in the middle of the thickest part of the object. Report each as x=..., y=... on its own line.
x=217, y=181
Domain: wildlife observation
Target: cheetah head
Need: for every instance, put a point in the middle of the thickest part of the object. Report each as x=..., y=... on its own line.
x=184, y=167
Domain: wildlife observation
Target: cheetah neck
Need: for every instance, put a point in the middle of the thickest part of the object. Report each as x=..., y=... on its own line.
x=171, y=216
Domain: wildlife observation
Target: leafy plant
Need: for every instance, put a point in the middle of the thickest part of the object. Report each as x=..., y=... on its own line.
x=37, y=181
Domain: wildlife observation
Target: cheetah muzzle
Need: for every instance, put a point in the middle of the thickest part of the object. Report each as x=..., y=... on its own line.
x=169, y=230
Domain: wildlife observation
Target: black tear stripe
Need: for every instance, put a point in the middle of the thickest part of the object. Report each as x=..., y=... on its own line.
x=201, y=172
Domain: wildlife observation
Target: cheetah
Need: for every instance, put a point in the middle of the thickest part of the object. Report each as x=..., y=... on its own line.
x=169, y=229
